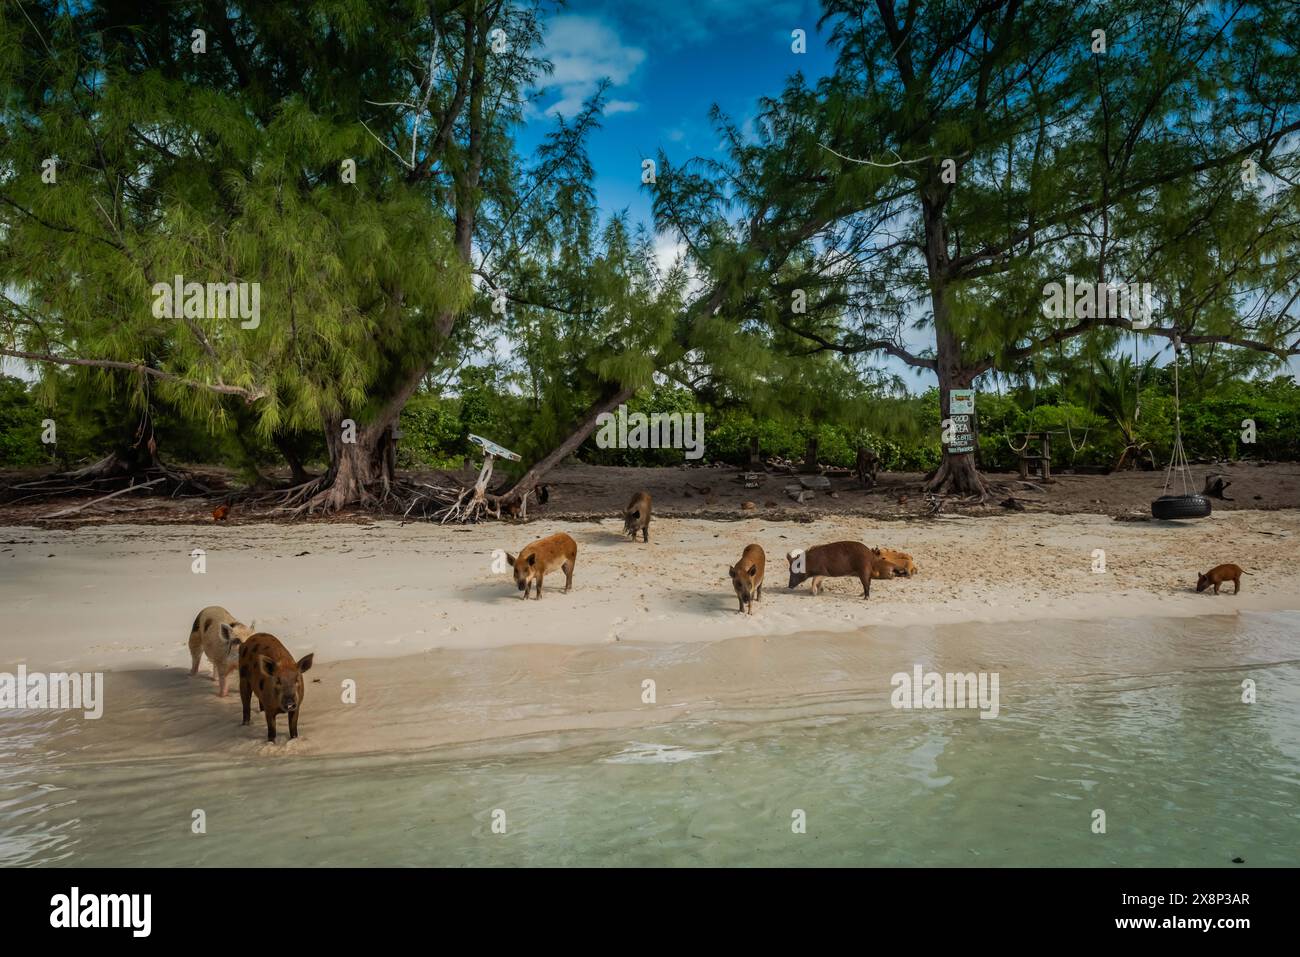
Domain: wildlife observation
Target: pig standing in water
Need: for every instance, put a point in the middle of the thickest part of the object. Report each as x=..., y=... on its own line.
x=267, y=666
x=747, y=576
x=837, y=560
x=544, y=555
x=636, y=517
x=216, y=633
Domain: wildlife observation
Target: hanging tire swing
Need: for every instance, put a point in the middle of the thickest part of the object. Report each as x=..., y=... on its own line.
x=1186, y=505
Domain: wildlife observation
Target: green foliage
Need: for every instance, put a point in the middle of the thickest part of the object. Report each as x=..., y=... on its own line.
x=20, y=426
x=432, y=434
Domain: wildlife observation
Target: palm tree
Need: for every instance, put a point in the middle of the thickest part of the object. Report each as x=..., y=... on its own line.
x=1117, y=391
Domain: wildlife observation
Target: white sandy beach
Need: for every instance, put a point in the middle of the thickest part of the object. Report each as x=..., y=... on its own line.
x=123, y=597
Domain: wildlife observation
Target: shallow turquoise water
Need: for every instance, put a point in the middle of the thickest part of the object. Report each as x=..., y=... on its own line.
x=1185, y=772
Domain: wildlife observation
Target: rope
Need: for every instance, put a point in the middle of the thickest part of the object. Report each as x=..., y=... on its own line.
x=1083, y=442
x=1178, y=455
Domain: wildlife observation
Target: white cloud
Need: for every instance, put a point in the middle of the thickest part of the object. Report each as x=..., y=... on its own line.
x=585, y=50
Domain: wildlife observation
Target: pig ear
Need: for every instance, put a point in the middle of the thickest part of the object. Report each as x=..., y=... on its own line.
x=305, y=663
x=266, y=664
x=510, y=559
x=731, y=570
x=225, y=632
x=753, y=570
x=532, y=559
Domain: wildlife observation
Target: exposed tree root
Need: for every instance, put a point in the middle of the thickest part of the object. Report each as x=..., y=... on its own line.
x=112, y=473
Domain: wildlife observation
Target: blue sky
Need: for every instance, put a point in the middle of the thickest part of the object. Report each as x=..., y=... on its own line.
x=668, y=62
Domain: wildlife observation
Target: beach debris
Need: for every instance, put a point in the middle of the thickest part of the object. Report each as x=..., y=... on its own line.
x=814, y=481
x=748, y=506
x=220, y=512
x=702, y=489
x=102, y=498
x=1011, y=503
x=902, y=500
x=769, y=504
x=1132, y=517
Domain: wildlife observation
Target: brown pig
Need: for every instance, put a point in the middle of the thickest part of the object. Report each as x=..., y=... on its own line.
x=544, y=555
x=1219, y=574
x=836, y=560
x=265, y=666
x=636, y=517
x=747, y=577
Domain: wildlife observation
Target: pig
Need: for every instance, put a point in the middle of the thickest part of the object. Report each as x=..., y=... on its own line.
x=266, y=666
x=837, y=560
x=890, y=563
x=217, y=634
x=544, y=555
x=747, y=577
x=1219, y=574
x=636, y=517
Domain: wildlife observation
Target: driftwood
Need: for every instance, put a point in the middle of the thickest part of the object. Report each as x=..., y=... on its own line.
x=102, y=498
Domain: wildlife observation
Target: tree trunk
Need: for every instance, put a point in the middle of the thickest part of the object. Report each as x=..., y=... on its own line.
x=957, y=473
x=585, y=427
x=298, y=472
x=360, y=471
x=755, y=455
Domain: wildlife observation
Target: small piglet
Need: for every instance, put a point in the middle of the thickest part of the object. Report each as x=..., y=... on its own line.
x=266, y=666
x=542, y=556
x=636, y=517
x=747, y=577
x=1219, y=574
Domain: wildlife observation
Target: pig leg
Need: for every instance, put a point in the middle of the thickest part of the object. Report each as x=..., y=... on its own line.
x=1216, y=588
x=225, y=677
x=538, y=594
x=758, y=592
x=270, y=725
x=196, y=653
x=865, y=578
x=568, y=575
x=245, y=694
x=816, y=585
x=1236, y=585
x=293, y=725
x=645, y=532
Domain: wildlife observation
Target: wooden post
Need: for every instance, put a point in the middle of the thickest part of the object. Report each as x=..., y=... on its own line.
x=754, y=463
x=484, y=476
x=810, y=457
x=1047, y=457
